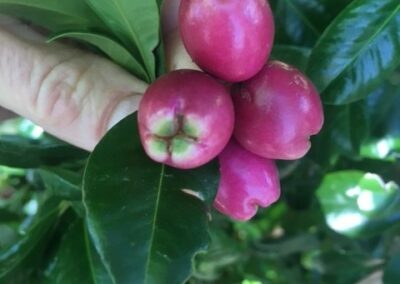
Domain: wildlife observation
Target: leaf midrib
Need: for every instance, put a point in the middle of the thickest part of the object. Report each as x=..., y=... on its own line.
x=159, y=188
x=133, y=34
x=372, y=38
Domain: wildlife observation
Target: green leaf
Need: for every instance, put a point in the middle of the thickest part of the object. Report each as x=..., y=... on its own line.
x=99, y=271
x=387, y=149
x=111, y=48
x=70, y=264
x=147, y=220
x=381, y=104
x=391, y=273
x=136, y=23
x=358, y=204
x=292, y=24
x=53, y=15
x=7, y=216
x=281, y=248
x=357, y=127
x=21, y=152
x=159, y=3
x=357, y=52
x=62, y=183
x=333, y=264
x=13, y=256
x=301, y=22
x=346, y=128
x=160, y=50
x=222, y=253
x=294, y=55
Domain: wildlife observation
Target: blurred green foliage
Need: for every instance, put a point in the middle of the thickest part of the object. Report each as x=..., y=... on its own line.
x=338, y=218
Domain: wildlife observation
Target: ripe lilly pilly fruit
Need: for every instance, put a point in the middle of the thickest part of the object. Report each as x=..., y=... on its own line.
x=185, y=119
x=228, y=39
x=276, y=112
x=247, y=181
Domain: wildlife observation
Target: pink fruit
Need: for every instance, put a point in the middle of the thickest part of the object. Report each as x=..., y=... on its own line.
x=185, y=119
x=229, y=39
x=276, y=112
x=247, y=181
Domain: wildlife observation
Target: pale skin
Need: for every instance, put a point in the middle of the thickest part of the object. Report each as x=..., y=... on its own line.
x=73, y=94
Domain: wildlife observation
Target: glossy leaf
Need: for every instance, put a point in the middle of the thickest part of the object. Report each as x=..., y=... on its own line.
x=99, y=271
x=20, y=152
x=358, y=204
x=147, y=221
x=111, y=48
x=357, y=52
x=70, y=264
x=301, y=22
x=293, y=55
x=53, y=15
x=136, y=23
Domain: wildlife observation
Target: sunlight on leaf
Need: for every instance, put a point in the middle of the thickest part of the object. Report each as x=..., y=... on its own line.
x=21, y=127
x=355, y=202
x=387, y=148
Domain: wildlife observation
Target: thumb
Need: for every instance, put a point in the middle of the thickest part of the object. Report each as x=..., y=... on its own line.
x=71, y=94
x=176, y=54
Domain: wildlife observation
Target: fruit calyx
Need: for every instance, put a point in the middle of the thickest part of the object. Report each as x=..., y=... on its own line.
x=174, y=137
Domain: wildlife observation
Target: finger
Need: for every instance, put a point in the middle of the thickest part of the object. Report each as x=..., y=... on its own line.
x=73, y=95
x=176, y=54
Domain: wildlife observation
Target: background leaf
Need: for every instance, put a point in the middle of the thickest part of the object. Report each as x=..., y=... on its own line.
x=346, y=128
x=21, y=152
x=356, y=53
x=30, y=242
x=62, y=183
x=294, y=55
x=137, y=210
x=301, y=22
x=358, y=204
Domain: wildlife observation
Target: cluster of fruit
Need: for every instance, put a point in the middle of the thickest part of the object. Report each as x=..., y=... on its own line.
x=245, y=110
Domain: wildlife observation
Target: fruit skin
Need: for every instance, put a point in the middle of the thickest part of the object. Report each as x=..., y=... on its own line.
x=276, y=112
x=247, y=181
x=231, y=39
x=185, y=119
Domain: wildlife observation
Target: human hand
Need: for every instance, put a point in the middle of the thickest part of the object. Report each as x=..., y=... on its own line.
x=72, y=94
